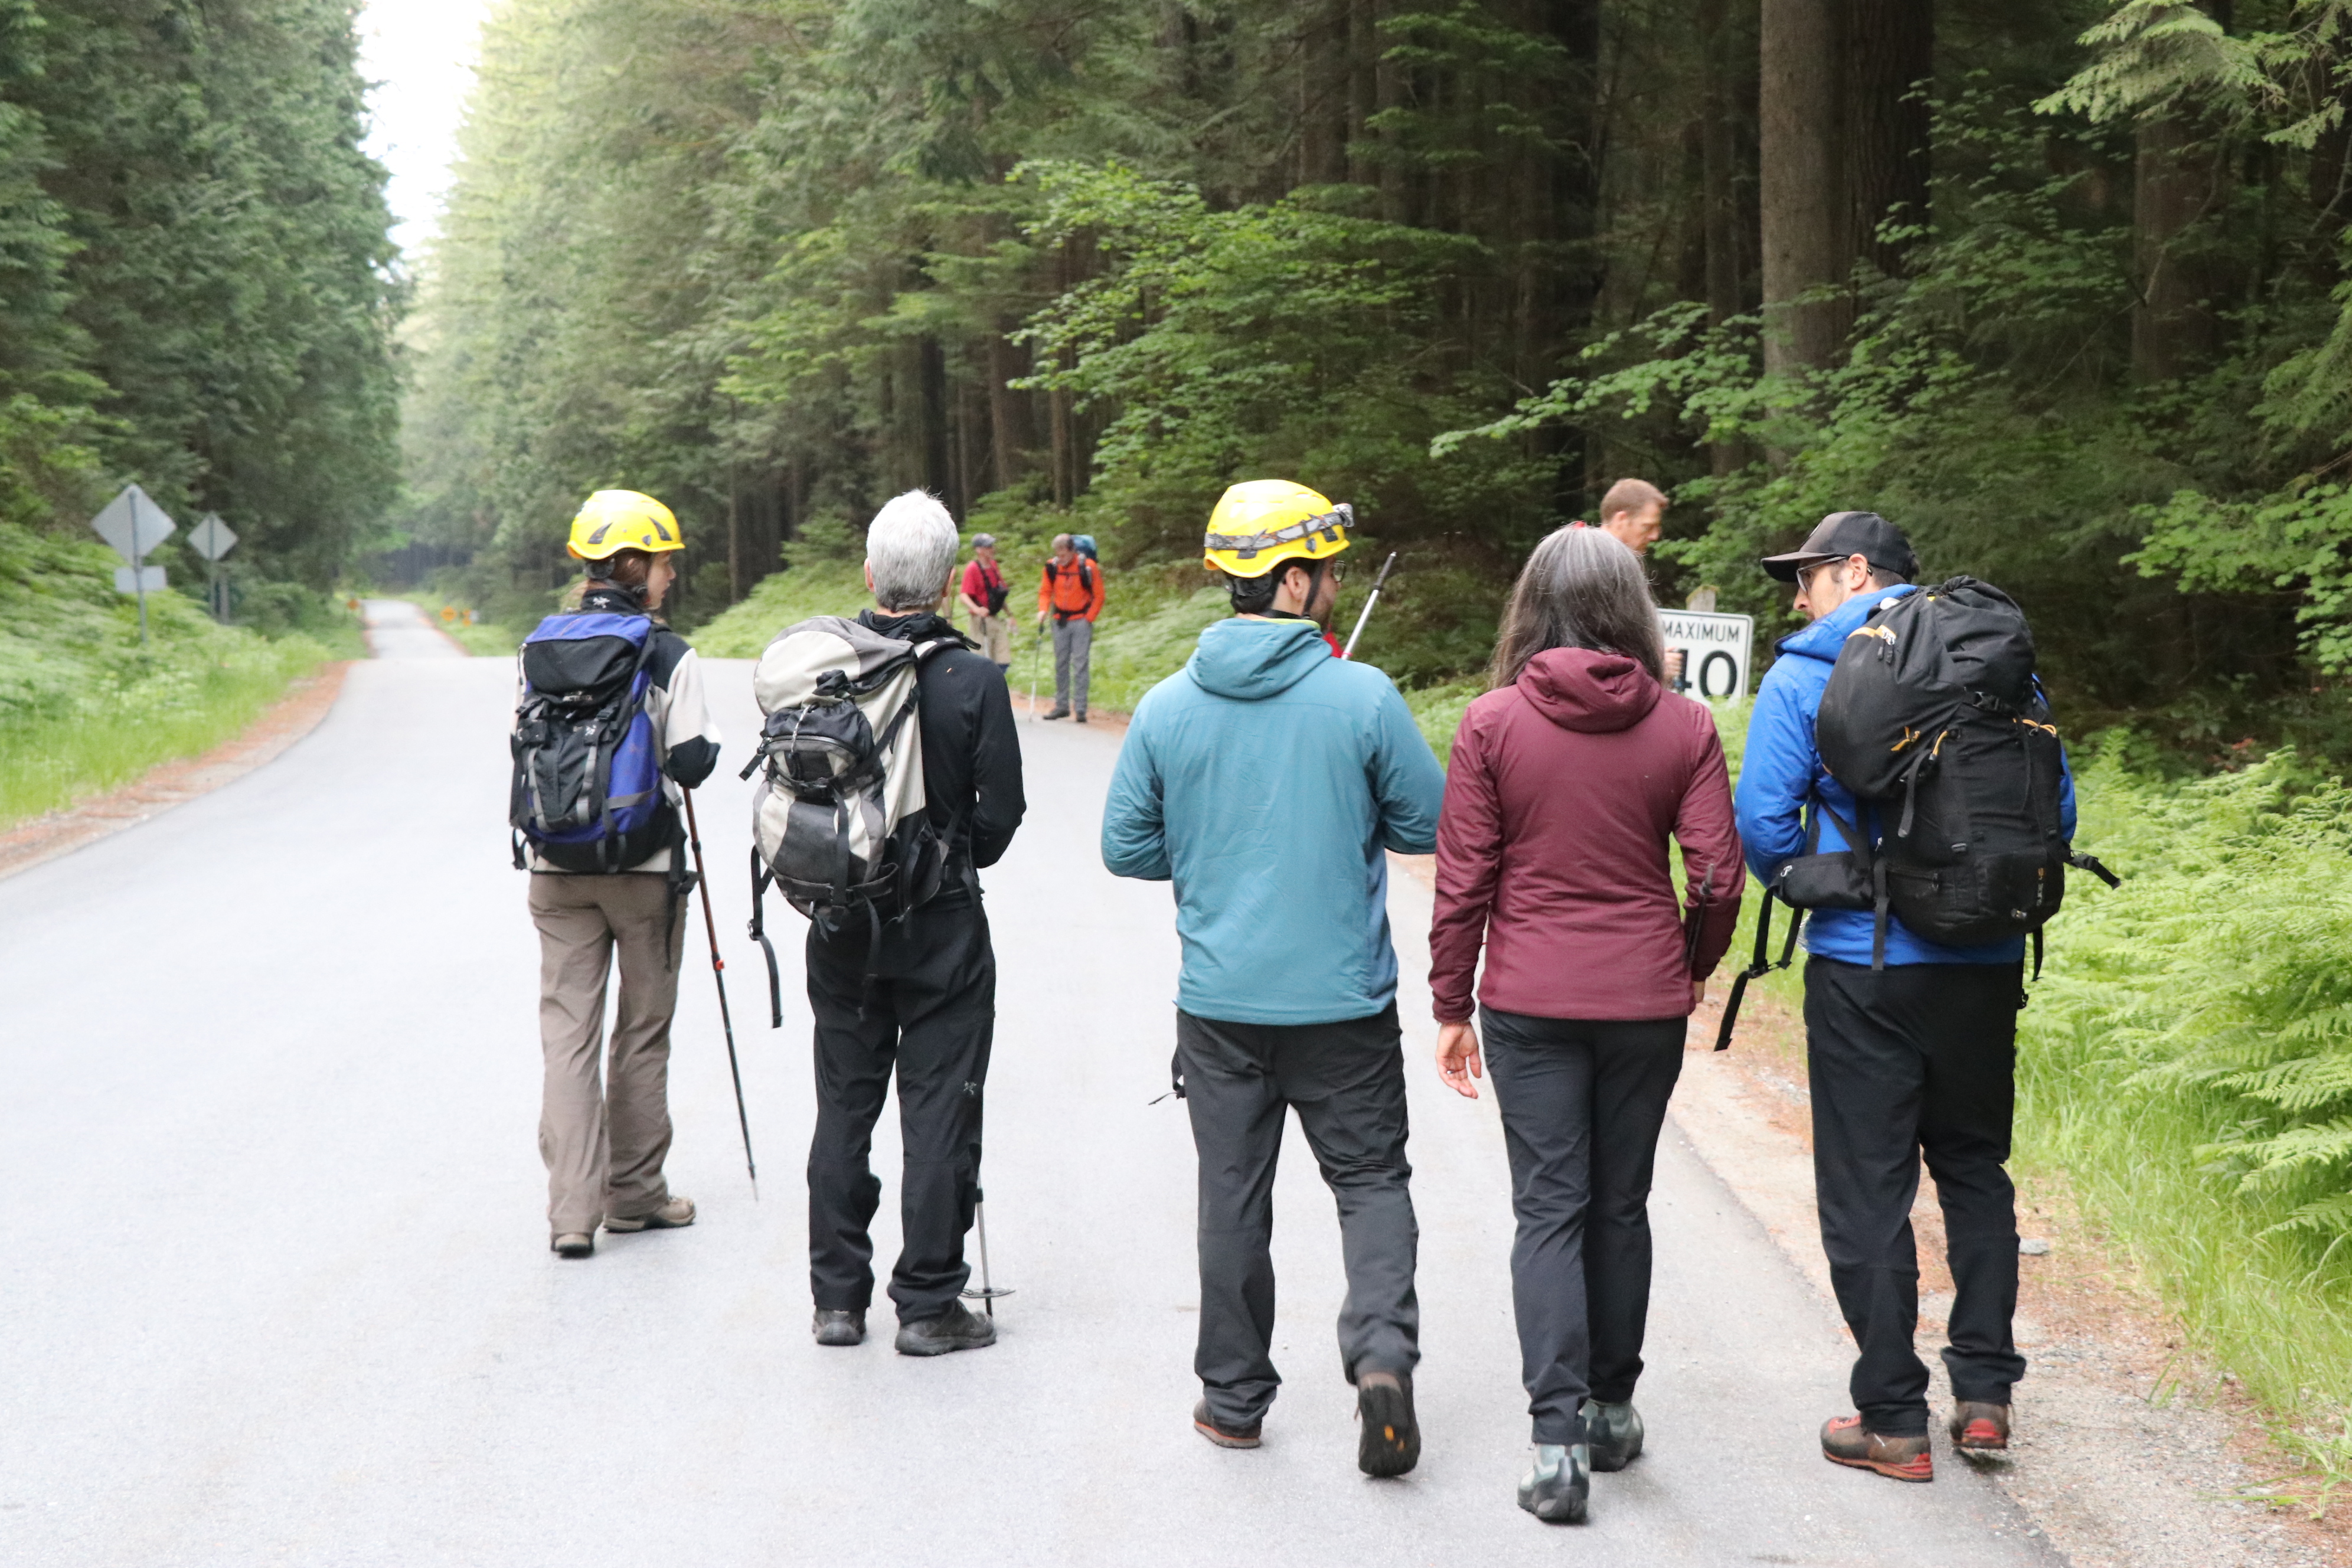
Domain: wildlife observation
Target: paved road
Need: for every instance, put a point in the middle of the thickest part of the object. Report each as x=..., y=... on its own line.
x=277, y=1290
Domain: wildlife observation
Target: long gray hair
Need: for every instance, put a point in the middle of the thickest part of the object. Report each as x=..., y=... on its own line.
x=1581, y=588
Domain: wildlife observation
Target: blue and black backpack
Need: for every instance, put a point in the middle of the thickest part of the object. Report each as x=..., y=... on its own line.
x=587, y=792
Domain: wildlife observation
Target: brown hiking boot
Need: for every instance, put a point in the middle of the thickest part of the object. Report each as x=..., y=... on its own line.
x=574, y=1243
x=1978, y=1428
x=1844, y=1442
x=1240, y=1438
x=675, y=1214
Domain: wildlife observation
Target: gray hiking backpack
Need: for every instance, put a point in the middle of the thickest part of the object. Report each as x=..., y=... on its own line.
x=838, y=820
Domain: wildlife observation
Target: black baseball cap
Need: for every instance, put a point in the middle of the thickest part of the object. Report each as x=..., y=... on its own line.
x=1844, y=533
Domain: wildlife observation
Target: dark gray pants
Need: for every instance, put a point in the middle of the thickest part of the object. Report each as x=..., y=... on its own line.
x=1346, y=1082
x=1915, y=1059
x=927, y=1011
x=1074, y=642
x=1582, y=1104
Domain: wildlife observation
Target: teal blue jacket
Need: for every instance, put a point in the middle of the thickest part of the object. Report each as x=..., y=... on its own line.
x=1268, y=780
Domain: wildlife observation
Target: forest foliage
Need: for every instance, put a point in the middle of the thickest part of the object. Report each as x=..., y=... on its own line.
x=2060, y=286
x=197, y=286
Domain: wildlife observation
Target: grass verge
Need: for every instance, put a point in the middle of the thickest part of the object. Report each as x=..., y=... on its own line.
x=86, y=707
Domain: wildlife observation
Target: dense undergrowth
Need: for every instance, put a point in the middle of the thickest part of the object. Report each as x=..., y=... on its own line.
x=84, y=708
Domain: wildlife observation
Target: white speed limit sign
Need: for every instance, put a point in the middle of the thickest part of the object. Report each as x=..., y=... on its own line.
x=1715, y=648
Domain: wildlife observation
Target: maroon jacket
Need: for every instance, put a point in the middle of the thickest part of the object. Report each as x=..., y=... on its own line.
x=1562, y=791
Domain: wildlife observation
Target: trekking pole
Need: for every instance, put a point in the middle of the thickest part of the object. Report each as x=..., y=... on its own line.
x=1349, y=651
x=719, y=974
x=1036, y=663
x=987, y=1293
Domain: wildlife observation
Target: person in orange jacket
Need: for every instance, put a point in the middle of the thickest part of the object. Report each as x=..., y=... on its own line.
x=1072, y=593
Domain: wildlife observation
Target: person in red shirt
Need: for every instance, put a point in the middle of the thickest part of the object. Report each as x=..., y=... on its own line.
x=983, y=593
x=1072, y=594
x=1568, y=780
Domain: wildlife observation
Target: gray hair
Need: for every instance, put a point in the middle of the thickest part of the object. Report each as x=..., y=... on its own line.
x=910, y=548
x=1581, y=588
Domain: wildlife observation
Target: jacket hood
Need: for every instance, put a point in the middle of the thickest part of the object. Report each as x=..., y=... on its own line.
x=1598, y=693
x=1252, y=660
x=1822, y=639
x=915, y=626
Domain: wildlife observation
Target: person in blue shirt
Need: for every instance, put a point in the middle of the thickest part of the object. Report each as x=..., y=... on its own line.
x=1269, y=781
x=1915, y=1059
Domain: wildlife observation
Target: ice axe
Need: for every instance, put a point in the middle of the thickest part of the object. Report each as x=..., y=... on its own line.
x=719, y=974
x=1349, y=651
x=988, y=1293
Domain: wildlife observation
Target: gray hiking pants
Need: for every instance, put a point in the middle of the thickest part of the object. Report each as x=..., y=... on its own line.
x=1346, y=1080
x=1074, y=642
x=604, y=1134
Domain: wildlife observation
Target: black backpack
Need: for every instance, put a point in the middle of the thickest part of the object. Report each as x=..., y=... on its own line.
x=586, y=793
x=839, y=821
x=1934, y=720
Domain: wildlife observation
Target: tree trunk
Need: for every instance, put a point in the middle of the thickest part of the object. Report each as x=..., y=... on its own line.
x=1804, y=200
x=2177, y=179
x=1363, y=87
x=1890, y=60
x=1324, y=88
x=1010, y=438
x=735, y=585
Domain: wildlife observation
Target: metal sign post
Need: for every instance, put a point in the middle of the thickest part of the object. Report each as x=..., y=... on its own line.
x=133, y=524
x=1717, y=650
x=213, y=539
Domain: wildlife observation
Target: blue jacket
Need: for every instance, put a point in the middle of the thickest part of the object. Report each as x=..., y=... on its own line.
x=1268, y=779
x=1782, y=772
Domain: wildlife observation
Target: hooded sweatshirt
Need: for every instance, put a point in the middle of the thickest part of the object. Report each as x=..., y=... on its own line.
x=1564, y=789
x=1267, y=780
x=1781, y=774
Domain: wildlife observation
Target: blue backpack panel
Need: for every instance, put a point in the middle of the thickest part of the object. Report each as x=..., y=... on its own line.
x=587, y=792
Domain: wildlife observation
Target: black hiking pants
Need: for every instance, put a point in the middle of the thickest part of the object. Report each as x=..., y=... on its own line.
x=1912, y=1060
x=1583, y=1105
x=926, y=1008
x=1346, y=1082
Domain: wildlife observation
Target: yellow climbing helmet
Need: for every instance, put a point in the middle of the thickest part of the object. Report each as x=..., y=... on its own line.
x=622, y=519
x=1260, y=523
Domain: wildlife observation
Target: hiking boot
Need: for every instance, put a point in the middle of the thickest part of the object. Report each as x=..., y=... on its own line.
x=957, y=1329
x=839, y=1326
x=1560, y=1486
x=1224, y=1436
x=1978, y=1428
x=1058, y=711
x=1389, y=1443
x=1080, y=715
x=675, y=1214
x=574, y=1243
x=1844, y=1442
x=1612, y=1431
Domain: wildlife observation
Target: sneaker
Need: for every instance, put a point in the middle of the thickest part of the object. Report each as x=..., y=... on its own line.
x=1390, y=1442
x=1612, y=1431
x=675, y=1214
x=957, y=1329
x=1224, y=1436
x=839, y=1326
x=1059, y=712
x=1979, y=1427
x=574, y=1243
x=1560, y=1487
x=1844, y=1442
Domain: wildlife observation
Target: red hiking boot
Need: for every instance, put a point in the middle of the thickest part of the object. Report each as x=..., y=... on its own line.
x=1844, y=1442
x=1978, y=1428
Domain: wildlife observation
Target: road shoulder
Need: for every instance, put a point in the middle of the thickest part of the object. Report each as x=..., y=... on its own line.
x=285, y=721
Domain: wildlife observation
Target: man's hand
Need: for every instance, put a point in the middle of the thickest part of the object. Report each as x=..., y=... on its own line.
x=1698, y=991
x=1457, y=1058
x=1041, y=618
